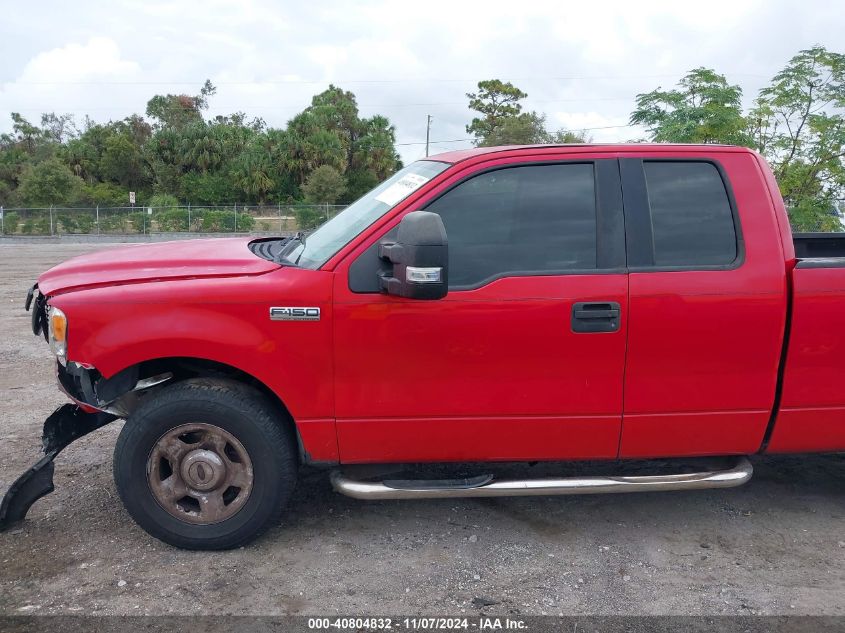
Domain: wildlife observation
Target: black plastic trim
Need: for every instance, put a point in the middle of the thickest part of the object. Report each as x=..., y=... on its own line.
x=639, y=237
x=466, y=483
x=784, y=353
x=819, y=245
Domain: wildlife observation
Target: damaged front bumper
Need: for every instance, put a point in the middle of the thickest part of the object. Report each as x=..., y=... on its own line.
x=66, y=424
x=97, y=401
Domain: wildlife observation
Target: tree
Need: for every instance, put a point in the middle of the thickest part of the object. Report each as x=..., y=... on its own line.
x=503, y=121
x=121, y=162
x=27, y=134
x=223, y=160
x=252, y=172
x=496, y=101
x=336, y=110
x=568, y=137
x=209, y=188
x=49, y=182
x=527, y=128
x=306, y=145
x=704, y=108
x=325, y=185
x=59, y=128
x=375, y=149
x=798, y=124
x=177, y=111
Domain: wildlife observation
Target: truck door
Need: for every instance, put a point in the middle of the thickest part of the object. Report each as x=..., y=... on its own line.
x=523, y=359
x=707, y=308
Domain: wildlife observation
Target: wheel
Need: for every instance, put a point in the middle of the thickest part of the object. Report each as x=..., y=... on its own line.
x=205, y=464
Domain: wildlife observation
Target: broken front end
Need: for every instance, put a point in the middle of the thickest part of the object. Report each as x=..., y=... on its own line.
x=96, y=402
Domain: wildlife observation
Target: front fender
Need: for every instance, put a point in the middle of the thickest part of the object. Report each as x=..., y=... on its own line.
x=222, y=320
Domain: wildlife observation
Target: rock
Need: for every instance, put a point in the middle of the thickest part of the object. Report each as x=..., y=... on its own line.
x=473, y=538
x=626, y=578
x=481, y=601
x=476, y=577
x=121, y=583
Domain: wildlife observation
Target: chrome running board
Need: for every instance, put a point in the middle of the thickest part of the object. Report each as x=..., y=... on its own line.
x=729, y=478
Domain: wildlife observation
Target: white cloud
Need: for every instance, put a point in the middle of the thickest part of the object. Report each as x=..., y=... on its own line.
x=99, y=58
x=67, y=78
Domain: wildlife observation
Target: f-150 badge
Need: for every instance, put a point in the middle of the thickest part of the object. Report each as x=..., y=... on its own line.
x=294, y=314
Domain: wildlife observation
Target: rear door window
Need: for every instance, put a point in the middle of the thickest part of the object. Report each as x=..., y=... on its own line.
x=691, y=218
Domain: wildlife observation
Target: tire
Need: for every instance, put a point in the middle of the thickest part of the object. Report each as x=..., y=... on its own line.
x=259, y=456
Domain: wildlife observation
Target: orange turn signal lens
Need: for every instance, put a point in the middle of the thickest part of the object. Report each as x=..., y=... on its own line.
x=58, y=325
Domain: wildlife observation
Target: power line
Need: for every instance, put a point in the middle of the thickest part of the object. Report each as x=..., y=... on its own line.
x=461, y=140
x=360, y=105
x=282, y=82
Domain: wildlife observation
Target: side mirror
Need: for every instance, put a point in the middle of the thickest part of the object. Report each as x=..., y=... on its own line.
x=420, y=258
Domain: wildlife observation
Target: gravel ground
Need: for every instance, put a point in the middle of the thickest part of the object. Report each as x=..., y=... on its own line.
x=775, y=546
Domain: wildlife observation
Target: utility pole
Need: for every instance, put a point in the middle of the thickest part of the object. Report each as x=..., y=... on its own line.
x=427, y=132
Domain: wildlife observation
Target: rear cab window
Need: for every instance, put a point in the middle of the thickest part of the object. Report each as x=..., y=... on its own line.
x=679, y=215
x=691, y=216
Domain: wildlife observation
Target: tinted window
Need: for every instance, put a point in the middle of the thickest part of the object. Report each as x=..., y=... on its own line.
x=533, y=219
x=690, y=214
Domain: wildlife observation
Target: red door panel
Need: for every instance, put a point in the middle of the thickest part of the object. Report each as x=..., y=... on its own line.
x=489, y=374
x=702, y=364
x=704, y=345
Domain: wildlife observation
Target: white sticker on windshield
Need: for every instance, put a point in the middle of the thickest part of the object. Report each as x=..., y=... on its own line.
x=401, y=189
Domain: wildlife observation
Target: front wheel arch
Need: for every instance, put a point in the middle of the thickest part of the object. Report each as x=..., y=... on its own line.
x=186, y=368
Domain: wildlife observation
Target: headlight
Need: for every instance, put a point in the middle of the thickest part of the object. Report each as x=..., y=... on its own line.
x=57, y=322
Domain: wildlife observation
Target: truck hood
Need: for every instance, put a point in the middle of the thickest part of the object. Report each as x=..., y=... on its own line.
x=164, y=261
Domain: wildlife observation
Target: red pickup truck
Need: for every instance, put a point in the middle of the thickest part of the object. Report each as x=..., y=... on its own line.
x=547, y=303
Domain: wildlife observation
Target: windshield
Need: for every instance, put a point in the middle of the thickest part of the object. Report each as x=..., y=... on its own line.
x=316, y=249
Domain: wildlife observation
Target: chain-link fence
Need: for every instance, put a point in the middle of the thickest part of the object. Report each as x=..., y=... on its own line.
x=237, y=218
x=101, y=220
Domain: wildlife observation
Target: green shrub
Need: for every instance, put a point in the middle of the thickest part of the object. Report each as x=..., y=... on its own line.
x=10, y=223
x=36, y=226
x=245, y=222
x=85, y=222
x=169, y=220
x=216, y=221
x=112, y=222
x=139, y=221
x=104, y=194
x=66, y=223
x=163, y=201
x=308, y=218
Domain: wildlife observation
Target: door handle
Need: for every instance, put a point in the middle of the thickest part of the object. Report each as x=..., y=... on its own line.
x=595, y=316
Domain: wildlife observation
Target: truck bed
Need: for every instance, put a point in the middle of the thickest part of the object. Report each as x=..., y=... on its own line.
x=811, y=415
x=819, y=245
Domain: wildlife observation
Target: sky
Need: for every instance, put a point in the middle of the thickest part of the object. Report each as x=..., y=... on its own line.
x=581, y=63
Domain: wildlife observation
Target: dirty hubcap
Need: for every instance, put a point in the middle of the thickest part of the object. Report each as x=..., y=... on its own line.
x=200, y=473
